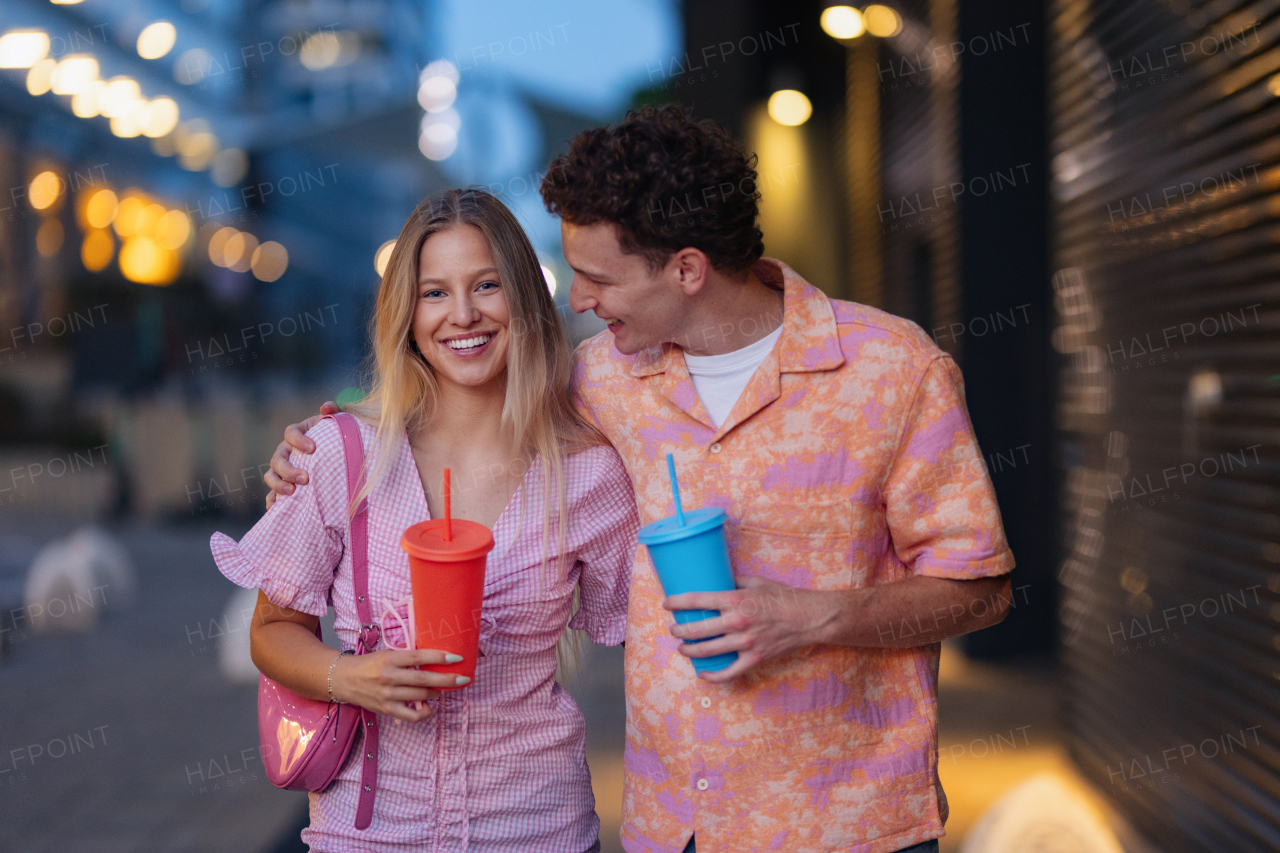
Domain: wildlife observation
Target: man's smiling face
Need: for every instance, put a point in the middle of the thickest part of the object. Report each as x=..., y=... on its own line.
x=642, y=306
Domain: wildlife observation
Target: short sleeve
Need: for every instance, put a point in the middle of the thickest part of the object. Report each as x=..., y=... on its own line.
x=939, y=502
x=608, y=518
x=291, y=554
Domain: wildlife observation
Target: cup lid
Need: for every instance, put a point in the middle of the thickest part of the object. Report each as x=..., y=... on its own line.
x=425, y=540
x=695, y=521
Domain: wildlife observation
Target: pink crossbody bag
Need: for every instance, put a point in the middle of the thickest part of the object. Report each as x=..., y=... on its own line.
x=305, y=741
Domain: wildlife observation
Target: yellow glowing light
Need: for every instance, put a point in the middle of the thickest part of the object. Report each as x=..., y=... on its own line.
x=195, y=144
x=65, y=2
x=1273, y=86
x=96, y=250
x=130, y=123
x=101, y=209
x=319, y=51
x=269, y=261
x=329, y=49
x=173, y=229
x=23, y=48
x=193, y=138
x=842, y=22
x=882, y=21
x=86, y=104
x=156, y=40
x=40, y=77
x=162, y=118
x=117, y=96
x=382, y=256
x=149, y=221
x=218, y=245
x=789, y=107
x=49, y=237
x=74, y=74
x=46, y=188
x=238, y=252
x=147, y=262
x=129, y=215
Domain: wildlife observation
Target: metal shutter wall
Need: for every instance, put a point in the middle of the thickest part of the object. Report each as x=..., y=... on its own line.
x=920, y=233
x=1166, y=164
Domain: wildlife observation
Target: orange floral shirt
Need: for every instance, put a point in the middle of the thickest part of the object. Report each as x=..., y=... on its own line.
x=849, y=460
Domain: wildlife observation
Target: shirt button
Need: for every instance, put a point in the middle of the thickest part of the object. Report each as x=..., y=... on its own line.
x=702, y=784
x=715, y=448
x=706, y=701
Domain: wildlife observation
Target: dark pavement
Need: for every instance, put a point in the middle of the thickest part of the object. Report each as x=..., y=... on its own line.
x=130, y=738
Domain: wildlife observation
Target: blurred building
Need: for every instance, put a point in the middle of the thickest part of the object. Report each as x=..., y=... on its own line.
x=1164, y=178
x=202, y=195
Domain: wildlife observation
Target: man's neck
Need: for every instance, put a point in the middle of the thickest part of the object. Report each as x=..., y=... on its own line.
x=729, y=314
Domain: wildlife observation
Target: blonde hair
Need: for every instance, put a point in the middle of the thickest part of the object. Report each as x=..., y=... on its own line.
x=537, y=411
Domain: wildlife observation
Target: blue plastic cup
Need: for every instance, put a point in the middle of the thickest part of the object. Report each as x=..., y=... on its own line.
x=693, y=558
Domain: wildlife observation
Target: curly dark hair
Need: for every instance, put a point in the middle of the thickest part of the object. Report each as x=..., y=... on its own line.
x=668, y=182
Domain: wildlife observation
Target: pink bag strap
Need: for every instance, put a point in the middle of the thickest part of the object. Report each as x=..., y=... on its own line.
x=367, y=639
x=353, y=451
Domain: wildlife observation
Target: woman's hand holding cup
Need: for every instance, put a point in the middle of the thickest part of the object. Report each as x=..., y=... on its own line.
x=389, y=682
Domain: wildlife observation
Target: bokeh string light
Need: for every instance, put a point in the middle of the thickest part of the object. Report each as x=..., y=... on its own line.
x=156, y=40
x=120, y=99
x=240, y=251
x=151, y=236
x=383, y=256
x=437, y=90
x=23, y=48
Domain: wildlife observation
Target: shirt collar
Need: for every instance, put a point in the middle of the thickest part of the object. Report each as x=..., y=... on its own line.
x=809, y=341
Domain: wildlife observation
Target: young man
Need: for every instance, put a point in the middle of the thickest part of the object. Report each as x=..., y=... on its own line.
x=863, y=526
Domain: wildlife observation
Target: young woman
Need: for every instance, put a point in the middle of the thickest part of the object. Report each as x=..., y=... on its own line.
x=470, y=372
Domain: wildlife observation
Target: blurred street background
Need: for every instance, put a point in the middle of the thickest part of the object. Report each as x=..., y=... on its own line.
x=1078, y=199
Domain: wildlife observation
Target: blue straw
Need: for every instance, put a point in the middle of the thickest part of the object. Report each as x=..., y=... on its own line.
x=675, y=488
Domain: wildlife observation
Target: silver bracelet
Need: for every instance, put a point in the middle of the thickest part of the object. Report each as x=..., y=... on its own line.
x=331, y=666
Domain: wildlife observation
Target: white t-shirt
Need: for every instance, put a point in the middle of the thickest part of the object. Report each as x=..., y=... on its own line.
x=721, y=379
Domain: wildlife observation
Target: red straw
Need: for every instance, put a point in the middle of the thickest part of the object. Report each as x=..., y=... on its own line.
x=448, y=509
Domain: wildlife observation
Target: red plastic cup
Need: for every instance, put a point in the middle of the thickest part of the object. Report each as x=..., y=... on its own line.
x=447, y=578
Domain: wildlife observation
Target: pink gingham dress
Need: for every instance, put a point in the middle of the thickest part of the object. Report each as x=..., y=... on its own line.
x=500, y=767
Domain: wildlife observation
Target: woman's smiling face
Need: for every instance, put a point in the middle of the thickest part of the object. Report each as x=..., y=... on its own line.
x=461, y=323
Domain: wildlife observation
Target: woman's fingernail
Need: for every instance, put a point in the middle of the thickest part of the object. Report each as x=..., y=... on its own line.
x=302, y=479
x=450, y=657
x=461, y=679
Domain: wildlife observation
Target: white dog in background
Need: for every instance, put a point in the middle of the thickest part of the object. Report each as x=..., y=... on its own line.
x=71, y=581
